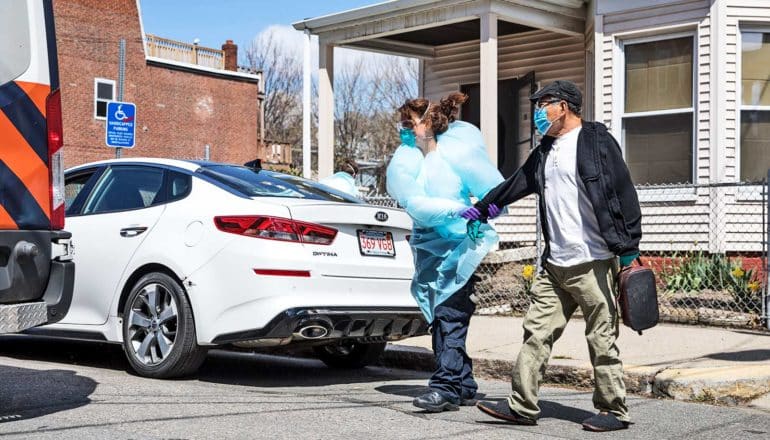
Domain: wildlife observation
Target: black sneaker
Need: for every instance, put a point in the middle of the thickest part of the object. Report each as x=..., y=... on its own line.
x=603, y=422
x=502, y=411
x=434, y=402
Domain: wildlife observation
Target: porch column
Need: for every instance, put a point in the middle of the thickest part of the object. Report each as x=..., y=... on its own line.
x=307, y=172
x=325, y=109
x=488, y=83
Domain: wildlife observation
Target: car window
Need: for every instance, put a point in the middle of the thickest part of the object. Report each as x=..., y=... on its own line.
x=261, y=183
x=77, y=186
x=179, y=185
x=125, y=187
x=176, y=186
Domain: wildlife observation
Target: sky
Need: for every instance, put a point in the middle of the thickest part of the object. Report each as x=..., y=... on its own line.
x=214, y=21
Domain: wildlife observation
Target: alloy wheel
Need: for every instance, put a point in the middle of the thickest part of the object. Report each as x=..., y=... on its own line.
x=152, y=324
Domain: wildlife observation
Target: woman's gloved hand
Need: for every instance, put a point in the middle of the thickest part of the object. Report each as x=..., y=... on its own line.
x=626, y=260
x=470, y=213
x=472, y=229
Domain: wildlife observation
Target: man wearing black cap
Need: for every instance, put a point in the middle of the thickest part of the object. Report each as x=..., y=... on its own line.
x=591, y=221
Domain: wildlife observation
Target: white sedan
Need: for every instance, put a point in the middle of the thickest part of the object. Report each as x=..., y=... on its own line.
x=175, y=257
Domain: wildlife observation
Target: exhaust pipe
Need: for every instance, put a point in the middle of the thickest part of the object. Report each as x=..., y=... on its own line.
x=313, y=329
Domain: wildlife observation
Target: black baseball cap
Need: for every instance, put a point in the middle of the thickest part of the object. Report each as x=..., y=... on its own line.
x=562, y=89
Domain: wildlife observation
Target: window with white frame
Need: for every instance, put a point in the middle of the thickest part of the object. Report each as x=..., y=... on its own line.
x=657, y=116
x=104, y=92
x=755, y=105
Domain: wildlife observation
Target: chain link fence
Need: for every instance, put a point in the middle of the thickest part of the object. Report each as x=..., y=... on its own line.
x=706, y=243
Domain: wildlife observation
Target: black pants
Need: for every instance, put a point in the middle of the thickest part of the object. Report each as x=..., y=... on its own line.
x=453, y=377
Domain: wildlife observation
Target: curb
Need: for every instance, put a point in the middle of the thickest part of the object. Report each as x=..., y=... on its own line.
x=720, y=385
x=706, y=385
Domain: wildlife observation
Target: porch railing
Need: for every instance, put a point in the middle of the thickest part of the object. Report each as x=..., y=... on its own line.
x=184, y=52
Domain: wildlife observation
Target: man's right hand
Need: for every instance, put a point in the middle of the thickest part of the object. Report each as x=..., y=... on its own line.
x=493, y=210
x=470, y=213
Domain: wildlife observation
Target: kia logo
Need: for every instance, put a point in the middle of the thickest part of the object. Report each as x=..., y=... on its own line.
x=381, y=216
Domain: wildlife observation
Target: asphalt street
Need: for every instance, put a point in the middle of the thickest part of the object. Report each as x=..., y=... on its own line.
x=77, y=390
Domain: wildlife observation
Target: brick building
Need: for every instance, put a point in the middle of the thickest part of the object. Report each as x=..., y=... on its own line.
x=182, y=106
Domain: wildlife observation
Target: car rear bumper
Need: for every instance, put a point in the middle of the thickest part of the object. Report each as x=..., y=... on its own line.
x=327, y=323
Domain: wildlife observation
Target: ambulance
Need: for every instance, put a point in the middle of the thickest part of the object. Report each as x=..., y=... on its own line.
x=36, y=266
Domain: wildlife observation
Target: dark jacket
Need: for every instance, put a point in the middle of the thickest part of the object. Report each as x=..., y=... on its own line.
x=607, y=181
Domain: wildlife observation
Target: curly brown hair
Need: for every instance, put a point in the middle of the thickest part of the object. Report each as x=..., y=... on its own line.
x=439, y=116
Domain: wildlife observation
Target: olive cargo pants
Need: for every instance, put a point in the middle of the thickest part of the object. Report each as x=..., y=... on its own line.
x=556, y=294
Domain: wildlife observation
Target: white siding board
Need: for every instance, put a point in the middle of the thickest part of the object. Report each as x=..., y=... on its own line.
x=552, y=56
x=656, y=11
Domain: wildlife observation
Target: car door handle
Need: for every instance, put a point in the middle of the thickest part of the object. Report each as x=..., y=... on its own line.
x=132, y=231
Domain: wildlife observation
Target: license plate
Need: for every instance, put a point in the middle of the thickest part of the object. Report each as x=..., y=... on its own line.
x=376, y=243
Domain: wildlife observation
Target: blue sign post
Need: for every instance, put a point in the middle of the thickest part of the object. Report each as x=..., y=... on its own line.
x=121, y=124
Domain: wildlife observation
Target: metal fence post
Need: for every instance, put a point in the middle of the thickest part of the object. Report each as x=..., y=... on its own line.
x=766, y=299
x=121, y=79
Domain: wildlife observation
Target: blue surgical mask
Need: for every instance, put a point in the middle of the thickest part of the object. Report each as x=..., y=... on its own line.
x=541, y=121
x=407, y=137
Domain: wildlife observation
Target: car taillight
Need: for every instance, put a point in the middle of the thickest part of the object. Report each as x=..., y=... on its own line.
x=55, y=161
x=275, y=228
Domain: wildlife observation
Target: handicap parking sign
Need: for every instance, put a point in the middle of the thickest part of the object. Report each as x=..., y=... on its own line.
x=121, y=124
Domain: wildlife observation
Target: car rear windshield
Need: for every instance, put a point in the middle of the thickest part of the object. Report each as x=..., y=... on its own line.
x=261, y=183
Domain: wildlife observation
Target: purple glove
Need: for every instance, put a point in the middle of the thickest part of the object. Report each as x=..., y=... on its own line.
x=470, y=213
x=493, y=210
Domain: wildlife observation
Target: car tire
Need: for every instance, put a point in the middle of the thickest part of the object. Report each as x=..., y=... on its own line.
x=349, y=354
x=159, y=330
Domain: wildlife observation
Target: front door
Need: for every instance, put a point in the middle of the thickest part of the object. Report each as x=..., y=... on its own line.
x=515, y=129
x=108, y=224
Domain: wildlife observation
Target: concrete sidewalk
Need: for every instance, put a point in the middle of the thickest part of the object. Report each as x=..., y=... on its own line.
x=716, y=365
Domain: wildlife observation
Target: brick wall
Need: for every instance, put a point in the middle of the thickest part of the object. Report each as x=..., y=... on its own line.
x=178, y=112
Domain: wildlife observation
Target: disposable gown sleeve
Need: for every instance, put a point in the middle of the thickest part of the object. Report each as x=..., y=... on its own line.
x=462, y=145
x=341, y=181
x=402, y=175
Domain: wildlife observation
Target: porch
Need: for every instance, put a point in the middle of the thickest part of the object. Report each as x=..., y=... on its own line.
x=497, y=51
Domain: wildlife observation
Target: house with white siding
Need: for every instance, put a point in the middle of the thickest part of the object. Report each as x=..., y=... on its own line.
x=684, y=85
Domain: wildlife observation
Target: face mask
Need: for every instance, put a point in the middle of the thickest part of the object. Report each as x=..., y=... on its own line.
x=541, y=121
x=407, y=137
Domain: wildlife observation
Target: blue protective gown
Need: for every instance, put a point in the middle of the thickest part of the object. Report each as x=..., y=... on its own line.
x=432, y=189
x=342, y=181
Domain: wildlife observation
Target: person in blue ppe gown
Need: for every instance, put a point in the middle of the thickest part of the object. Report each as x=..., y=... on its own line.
x=344, y=179
x=440, y=164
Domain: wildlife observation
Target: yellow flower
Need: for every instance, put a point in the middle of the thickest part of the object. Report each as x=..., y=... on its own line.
x=737, y=272
x=528, y=272
x=753, y=286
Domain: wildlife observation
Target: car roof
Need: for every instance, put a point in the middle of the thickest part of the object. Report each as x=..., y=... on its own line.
x=190, y=165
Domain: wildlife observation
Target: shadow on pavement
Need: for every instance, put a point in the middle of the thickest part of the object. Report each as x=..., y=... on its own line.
x=742, y=356
x=64, y=351
x=551, y=410
x=412, y=390
x=26, y=393
x=554, y=410
x=225, y=367
x=260, y=370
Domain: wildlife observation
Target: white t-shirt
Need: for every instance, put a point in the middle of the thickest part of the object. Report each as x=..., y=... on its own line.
x=573, y=230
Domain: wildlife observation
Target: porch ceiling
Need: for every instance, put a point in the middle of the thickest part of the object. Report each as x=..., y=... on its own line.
x=456, y=33
x=415, y=27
